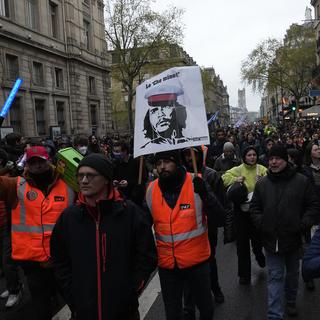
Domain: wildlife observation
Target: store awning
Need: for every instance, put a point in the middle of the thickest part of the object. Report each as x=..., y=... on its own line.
x=311, y=112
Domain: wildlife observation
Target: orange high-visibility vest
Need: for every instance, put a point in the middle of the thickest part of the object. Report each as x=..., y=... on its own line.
x=181, y=233
x=34, y=218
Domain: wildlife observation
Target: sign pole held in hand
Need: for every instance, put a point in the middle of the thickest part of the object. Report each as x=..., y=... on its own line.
x=194, y=162
x=140, y=170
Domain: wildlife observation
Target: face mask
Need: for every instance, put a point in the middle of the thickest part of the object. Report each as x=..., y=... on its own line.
x=118, y=155
x=83, y=150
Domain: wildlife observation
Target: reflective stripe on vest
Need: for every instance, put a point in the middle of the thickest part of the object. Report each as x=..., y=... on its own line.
x=149, y=195
x=181, y=232
x=23, y=227
x=34, y=218
x=201, y=229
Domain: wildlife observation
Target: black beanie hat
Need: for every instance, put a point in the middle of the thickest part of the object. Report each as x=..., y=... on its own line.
x=173, y=155
x=98, y=162
x=280, y=151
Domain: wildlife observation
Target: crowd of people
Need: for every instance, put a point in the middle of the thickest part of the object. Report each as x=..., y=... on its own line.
x=259, y=185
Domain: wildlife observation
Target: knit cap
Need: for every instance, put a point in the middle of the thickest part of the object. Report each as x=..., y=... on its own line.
x=100, y=163
x=173, y=155
x=280, y=151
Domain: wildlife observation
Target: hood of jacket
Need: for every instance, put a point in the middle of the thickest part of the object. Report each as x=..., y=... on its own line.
x=114, y=203
x=113, y=195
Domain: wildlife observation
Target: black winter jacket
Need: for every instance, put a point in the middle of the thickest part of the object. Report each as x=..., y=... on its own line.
x=111, y=258
x=282, y=205
x=215, y=187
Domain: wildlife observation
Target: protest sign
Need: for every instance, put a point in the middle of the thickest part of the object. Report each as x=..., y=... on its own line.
x=170, y=112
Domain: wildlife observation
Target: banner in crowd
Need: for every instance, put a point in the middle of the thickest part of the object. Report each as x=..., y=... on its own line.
x=170, y=112
x=240, y=122
x=214, y=117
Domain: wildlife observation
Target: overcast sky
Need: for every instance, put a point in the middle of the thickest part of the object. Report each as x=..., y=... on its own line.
x=221, y=33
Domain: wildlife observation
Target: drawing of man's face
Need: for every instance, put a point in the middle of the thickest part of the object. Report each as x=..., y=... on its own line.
x=160, y=118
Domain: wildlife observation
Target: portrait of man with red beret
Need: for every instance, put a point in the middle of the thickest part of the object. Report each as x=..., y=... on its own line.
x=166, y=117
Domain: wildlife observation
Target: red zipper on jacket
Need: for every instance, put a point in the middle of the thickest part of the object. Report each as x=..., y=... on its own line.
x=104, y=251
x=98, y=268
x=96, y=219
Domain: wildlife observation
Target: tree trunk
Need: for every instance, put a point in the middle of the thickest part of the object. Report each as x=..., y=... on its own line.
x=130, y=119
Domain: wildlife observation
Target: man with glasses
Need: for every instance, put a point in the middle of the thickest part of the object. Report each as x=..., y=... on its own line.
x=36, y=201
x=103, y=251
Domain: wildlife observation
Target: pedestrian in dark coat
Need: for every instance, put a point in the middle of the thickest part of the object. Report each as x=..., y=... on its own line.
x=214, y=184
x=283, y=205
x=103, y=251
x=227, y=159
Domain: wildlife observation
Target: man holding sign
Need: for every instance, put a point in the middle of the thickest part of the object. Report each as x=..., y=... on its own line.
x=179, y=203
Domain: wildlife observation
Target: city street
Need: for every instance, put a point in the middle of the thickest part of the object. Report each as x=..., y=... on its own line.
x=246, y=302
x=131, y=129
x=242, y=302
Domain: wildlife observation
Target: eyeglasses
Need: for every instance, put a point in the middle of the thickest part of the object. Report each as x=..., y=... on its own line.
x=89, y=176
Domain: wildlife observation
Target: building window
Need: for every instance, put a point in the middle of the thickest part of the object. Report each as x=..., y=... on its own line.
x=37, y=74
x=40, y=116
x=32, y=13
x=93, y=116
x=15, y=115
x=12, y=67
x=92, y=85
x=4, y=8
x=86, y=33
x=115, y=58
x=54, y=19
x=61, y=116
x=58, y=73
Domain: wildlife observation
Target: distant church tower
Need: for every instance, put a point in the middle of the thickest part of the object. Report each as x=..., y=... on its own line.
x=242, y=99
x=308, y=15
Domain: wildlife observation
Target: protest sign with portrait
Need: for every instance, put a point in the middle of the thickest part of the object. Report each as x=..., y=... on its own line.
x=170, y=112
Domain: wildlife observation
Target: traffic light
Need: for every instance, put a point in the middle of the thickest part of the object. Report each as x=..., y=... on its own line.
x=293, y=105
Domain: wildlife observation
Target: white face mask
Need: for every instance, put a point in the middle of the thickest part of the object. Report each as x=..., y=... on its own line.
x=83, y=150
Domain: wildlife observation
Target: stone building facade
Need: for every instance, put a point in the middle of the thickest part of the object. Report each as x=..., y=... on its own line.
x=217, y=97
x=59, y=50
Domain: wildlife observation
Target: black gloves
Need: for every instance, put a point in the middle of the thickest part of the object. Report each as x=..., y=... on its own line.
x=200, y=187
x=137, y=194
